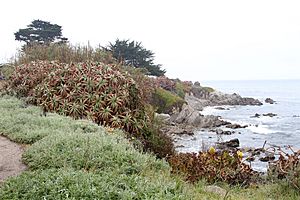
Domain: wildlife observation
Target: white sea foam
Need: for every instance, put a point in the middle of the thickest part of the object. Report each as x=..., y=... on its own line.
x=240, y=122
x=208, y=110
x=261, y=129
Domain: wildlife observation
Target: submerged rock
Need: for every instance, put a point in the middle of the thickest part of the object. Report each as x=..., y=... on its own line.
x=234, y=143
x=221, y=108
x=236, y=126
x=222, y=132
x=267, y=158
x=270, y=115
x=255, y=116
x=269, y=100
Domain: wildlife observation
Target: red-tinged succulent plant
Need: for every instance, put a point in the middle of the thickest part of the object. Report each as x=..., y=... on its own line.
x=90, y=90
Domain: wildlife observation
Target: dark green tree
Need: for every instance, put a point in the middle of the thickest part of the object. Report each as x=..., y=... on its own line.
x=134, y=54
x=41, y=32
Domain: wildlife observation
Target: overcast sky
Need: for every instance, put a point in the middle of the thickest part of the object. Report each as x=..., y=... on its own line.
x=192, y=39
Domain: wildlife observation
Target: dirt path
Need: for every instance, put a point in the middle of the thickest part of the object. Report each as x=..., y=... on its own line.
x=10, y=159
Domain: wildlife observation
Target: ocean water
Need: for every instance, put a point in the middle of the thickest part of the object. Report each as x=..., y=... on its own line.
x=282, y=130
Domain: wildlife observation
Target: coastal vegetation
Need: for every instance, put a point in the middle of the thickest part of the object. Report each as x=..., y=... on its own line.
x=87, y=117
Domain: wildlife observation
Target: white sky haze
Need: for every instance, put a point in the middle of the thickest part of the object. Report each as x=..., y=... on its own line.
x=193, y=40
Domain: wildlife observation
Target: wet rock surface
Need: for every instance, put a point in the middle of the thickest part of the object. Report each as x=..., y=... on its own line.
x=269, y=115
x=234, y=143
x=236, y=126
x=269, y=100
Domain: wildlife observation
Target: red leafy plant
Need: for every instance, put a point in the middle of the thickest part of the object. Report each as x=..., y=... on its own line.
x=213, y=166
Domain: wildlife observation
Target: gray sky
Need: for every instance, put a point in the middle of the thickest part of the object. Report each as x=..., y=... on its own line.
x=192, y=39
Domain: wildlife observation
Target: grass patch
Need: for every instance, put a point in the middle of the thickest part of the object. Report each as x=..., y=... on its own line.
x=70, y=184
x=26, y=124
x=92, y=152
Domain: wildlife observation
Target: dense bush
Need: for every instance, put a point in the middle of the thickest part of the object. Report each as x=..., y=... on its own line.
x=89, y=90
x=166, y=102
x=166, y=83
x=212, y=166
x=145, y=84
x=27, y=76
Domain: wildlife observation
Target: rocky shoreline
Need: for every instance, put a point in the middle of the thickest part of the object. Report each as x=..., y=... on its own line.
x=189, y=121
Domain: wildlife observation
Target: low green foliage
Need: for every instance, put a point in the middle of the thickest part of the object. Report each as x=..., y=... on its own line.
x=92, y=162
x=208, y=89
x=180, y=90
x=166, y=101
x=70, y=184
x=6, y=70
x=26, y=124
x=91, y=152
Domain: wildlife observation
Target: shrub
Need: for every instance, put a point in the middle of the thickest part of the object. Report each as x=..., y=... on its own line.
x=180, y=90
x=6, y=71
x=89, y=90
x=26, y=77
x=145, y=84
x=156, y=141
x=212, y=166
x=166, y=83
x=166, y=101
x=208, y=89
x=63, y=53
x=286, y=168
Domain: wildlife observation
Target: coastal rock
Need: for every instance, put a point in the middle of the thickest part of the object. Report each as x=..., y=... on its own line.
x=188, y=115
x=269, y=100
x=221, y=108
x=234, y=143
x=204, y=98
x=194, y=102
x=267, y=158
x=256, y=115
x=236, y=126
x=192, y=117
x=216, y=189
x=270, y=115
x=163, y=117
x=210, y=121
x=222, y=132
x=178, y=130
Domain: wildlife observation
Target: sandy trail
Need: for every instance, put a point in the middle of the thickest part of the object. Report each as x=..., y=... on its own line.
x=10, y=159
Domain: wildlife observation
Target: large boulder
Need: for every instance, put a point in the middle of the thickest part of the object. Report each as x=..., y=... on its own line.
x=187, y=115
x=192, y=117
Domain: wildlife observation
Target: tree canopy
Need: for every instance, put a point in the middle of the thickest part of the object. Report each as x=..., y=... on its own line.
x=134, y=54
x=40, y=32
